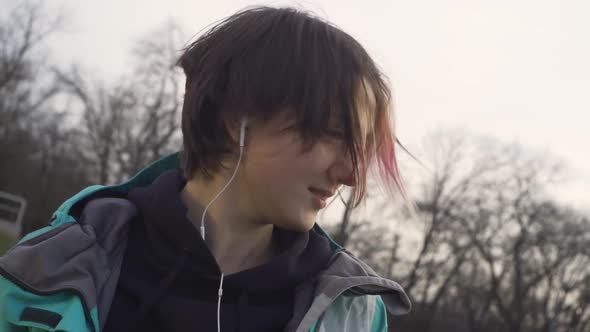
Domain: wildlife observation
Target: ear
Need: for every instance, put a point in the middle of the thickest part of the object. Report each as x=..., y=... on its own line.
x=237, y=130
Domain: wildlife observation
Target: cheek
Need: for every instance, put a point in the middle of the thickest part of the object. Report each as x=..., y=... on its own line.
x=282, y=172
x=321, y=156
x=301, y=166
x=278, y=158
x=270, y=171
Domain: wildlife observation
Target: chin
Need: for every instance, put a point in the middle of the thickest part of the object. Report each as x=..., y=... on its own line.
x=298, y=225
x=307, y=227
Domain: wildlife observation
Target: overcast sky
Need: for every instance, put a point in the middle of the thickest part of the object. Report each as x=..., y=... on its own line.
x=515, y=70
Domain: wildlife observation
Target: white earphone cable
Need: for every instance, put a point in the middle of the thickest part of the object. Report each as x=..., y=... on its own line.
x=220, y=293
x=242, y=139
x=219, y=194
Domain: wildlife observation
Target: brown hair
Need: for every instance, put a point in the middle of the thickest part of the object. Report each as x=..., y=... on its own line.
x=263, y=60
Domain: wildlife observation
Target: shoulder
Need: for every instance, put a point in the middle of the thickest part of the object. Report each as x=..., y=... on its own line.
x=353, y=297
x=66, y=268
x=43, y=256
x=354, y=313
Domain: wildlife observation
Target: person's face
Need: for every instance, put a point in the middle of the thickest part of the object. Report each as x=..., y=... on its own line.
x=286, y=185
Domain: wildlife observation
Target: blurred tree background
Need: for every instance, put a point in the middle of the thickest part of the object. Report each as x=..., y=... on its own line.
x=62, y=129
x=485, y=250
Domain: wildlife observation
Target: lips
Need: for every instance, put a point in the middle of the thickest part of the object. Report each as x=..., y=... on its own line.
x=321, y=193
x=320, y=197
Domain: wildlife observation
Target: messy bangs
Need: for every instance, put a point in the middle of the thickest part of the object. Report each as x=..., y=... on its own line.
x=264, y=60
x=361, y=116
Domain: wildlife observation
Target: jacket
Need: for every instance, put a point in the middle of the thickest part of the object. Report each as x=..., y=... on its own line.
x=63, y=277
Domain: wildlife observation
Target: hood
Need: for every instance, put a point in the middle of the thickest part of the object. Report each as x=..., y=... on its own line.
x=164, y=223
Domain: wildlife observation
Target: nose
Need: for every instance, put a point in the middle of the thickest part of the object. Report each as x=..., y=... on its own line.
x=342, y=171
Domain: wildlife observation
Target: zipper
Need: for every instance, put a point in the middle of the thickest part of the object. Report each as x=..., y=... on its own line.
x=35, y=291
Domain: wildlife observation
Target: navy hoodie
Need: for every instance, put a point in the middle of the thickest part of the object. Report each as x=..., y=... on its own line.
x=169, y=279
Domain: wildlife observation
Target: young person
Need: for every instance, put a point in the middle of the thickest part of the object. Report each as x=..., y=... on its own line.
x=281, y=109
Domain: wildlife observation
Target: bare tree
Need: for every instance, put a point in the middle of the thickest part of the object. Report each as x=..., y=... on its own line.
x=153, y=125
x=346, y=226
x=132, y=122
x=503, y=225
x=24, y=86
x=496, y=219
x=442, y=249
x=102, y=119
x=38, y=147
x=492, y=251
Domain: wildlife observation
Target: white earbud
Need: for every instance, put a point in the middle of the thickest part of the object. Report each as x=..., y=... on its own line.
x=243, y=131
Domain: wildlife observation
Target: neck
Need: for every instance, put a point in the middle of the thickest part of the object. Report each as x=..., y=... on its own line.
x=234, y=238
